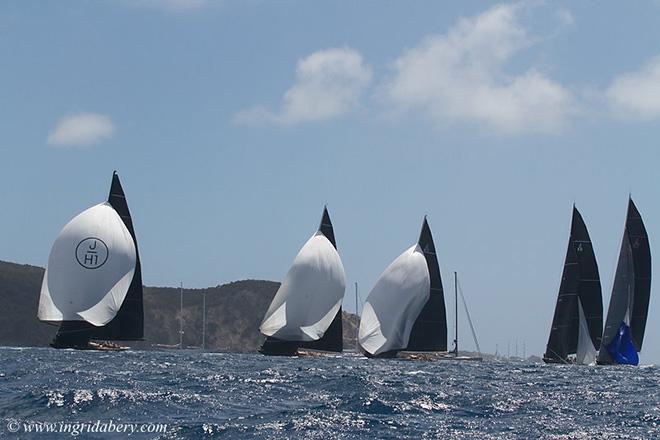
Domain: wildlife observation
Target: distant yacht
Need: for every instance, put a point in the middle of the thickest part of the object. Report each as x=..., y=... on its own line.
x=92, y=286
x=405, y=310
x=629, y=303
x=306, y=311
x=575, y=334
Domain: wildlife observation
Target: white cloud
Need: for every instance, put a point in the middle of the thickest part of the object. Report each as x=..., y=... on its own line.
x=328, y=83
x=460, y=76
x=636, y=95
x=81, y=130
x=565, y=17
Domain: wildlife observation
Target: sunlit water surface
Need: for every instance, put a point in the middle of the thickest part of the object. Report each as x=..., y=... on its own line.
x=207, y=395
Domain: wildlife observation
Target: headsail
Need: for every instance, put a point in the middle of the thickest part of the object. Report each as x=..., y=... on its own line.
x=308, y=302
x=405, y=310
x=578, y=319
x=626, y=317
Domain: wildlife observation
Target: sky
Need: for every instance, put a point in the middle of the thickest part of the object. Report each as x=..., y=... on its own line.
x=232, y=123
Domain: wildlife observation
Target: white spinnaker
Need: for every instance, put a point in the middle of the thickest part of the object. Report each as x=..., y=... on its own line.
x=310, y=295
x=586, y=353
x=394, y=303
x=90, y=269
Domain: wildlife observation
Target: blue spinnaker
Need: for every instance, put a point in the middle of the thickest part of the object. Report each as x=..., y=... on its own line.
x=622, y=349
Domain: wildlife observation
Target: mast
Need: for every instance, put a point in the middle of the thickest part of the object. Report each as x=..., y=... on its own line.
x=456, y=313
x=203, y=320
x=357, y=319
x=181, y=316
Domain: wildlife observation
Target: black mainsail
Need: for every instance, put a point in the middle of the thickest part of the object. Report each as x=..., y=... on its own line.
x=332, y=339
x=578, y=319
x=626, y=317
x=429, y=333
x=128, y=325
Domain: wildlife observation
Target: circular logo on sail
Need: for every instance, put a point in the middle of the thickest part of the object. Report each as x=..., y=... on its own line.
x=92, y=253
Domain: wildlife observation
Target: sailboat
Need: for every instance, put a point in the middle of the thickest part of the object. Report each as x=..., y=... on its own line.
x=575, y=334
x=92, y=286
x=405, y=310
x=455, y=354
x=626, y=317
x=306, y=311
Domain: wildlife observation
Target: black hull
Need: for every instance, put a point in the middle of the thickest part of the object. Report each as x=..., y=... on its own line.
x=277, y=347
x=73, y=334
x=387, y=355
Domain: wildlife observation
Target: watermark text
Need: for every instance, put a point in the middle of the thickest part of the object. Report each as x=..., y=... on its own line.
x=79, y=428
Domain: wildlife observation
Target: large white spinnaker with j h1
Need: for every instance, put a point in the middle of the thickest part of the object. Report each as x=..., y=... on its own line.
x=89, y=269
x=92, y=286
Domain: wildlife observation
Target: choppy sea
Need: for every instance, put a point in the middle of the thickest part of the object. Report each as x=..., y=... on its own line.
x=47, y=393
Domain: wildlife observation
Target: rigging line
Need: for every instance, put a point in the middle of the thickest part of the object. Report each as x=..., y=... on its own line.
x=558, y=357
x=467, y=313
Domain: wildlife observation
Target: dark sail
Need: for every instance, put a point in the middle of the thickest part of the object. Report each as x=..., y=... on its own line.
x=429, y=333
x=564, y=330
x=326, y=227
x=332, y=339
x=589, y=289
x=641, y=254
x=627, y=313
x=128, y=324
x=580, y=284
x=619, y=305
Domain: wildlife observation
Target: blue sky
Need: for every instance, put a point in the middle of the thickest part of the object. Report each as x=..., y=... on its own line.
x=233, y=122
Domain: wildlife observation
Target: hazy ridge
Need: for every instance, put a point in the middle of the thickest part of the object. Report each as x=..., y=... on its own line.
x=233, y=313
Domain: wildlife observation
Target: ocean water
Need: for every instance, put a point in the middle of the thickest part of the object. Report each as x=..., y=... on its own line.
x=216, y=395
